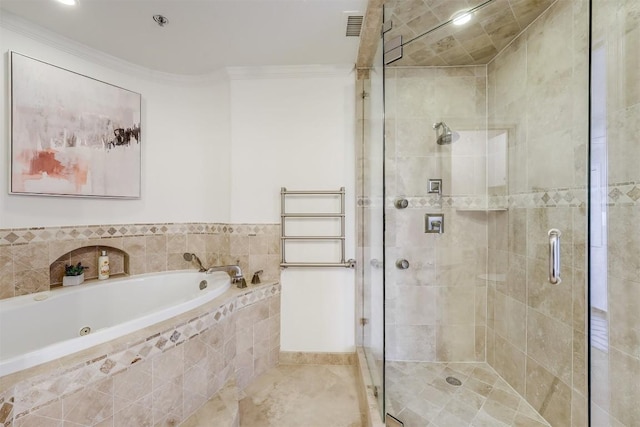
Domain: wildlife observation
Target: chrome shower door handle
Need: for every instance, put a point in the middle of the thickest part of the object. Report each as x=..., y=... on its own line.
x=554, y=256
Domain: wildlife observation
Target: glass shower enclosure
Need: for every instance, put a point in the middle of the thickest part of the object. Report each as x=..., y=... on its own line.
x=475, y=167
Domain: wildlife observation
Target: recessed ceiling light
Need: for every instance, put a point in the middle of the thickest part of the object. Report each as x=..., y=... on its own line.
x=461, y=18
x=68, y=2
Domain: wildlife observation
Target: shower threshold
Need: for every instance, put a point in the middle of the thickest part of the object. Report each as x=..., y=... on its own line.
x=422, y=394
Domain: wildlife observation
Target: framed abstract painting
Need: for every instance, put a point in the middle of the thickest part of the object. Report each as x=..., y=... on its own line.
x=72, y=135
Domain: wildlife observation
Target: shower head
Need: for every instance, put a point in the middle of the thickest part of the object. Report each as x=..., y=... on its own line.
x=444, y=138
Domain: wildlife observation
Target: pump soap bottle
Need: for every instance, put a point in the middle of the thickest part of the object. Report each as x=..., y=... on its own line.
x=103, y=266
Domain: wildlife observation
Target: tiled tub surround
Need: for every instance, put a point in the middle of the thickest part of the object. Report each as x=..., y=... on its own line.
x=157, y=376
x=27, y=254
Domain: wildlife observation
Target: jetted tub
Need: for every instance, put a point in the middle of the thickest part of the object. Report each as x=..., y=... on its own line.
x=44, y=326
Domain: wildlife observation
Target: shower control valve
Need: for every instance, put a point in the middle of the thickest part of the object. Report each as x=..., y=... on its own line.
x=435, y=186
x=434, y=223
x=402, y=264
x=401, y=203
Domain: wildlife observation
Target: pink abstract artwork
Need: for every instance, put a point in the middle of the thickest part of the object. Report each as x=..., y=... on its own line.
x=72, y=135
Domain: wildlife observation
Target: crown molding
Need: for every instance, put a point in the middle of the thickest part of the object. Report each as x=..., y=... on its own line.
x=290, y=71
x=28, y=29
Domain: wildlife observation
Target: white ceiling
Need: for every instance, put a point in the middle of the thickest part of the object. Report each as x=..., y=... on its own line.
x=203, y=35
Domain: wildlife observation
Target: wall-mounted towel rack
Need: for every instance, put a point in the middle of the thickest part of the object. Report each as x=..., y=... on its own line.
x=340, y=216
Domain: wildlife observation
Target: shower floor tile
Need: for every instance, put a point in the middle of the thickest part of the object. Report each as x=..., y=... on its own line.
x=419, y=395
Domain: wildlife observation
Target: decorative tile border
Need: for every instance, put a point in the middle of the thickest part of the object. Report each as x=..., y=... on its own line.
x=624, y=194
x=32, y=394
x=10, y=236
x=620, y=194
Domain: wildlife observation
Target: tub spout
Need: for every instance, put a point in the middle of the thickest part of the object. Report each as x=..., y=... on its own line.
x=232, y=270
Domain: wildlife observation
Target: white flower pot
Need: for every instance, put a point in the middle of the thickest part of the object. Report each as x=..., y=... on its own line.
x=72, y=280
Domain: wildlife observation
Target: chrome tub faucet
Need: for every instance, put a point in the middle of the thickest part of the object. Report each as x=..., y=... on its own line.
x=232, y=270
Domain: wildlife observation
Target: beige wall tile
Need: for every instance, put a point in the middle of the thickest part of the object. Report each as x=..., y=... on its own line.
x=624, y=315
x=138, y=414
x=32, y=256
x=511, y=320
x=91, y=405
x=580, y=286
x=176, y=243
x=455, y=342
x=31, y=281
x=135, y=246
x=509, y=362
x=50, y=415
x=414, y=305
x=580, y=366
x=625, y=392
x=456, y=305
x=550, y=343
x=548, y=395
x=176, y=261
x=411, y=342
x=601, y=379
x=156, y=244
x=132, y=385
x=197, y=243
x=579, y=410
x=623, y=246
x=556, y=301
x=7, y=288
x=622, y=138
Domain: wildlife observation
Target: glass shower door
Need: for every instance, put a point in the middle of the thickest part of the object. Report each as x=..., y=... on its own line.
x=372, y=225
x=487, y=141
x=615, y=213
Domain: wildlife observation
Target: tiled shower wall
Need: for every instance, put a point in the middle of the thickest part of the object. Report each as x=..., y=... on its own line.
x=435, y=309
x=538, y=93
x=615, y=357
x=26, y=254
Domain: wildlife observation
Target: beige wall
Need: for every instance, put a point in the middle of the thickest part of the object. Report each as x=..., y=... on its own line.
x=615, y=352
x=435, y=310
x=537, y=91
x=26, y=254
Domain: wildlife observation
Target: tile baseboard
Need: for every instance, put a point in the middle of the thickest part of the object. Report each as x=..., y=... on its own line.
x=306, y=358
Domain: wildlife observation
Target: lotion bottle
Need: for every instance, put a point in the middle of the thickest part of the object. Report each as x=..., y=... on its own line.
x=103, y=266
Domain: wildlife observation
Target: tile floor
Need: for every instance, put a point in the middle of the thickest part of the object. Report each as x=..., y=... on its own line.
x=302, y=395
x=419, y=396
x=287, y=395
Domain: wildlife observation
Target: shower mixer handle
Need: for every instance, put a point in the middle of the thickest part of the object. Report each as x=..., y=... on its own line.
x=402, y=264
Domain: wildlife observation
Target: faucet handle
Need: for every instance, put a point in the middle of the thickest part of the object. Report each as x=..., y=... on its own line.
x=256, y=277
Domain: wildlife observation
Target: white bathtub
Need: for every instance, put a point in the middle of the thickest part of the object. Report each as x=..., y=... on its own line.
x=41, y=327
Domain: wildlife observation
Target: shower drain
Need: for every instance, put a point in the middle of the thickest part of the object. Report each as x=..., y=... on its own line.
x=85, y=331
x=454, y=381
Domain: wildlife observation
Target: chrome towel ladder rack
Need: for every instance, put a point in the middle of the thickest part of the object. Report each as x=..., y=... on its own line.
x=284, y=215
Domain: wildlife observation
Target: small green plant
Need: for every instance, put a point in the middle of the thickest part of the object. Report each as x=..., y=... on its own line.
x=74, y=270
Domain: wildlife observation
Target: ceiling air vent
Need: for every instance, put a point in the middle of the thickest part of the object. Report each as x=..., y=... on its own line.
x=354, y=25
